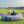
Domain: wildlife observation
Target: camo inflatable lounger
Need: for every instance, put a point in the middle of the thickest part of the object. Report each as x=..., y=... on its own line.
x=12, y=17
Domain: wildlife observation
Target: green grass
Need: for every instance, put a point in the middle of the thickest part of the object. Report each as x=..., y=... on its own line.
x=6, y=11
x=11, y=22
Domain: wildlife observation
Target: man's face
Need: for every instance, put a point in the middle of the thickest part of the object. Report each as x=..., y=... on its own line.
x=13, y=12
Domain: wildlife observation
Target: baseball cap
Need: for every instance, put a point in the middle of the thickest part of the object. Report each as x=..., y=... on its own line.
x=9, y=10
x=13, y=10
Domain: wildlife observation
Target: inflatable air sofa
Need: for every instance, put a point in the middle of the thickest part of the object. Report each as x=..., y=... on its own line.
x=12, y=17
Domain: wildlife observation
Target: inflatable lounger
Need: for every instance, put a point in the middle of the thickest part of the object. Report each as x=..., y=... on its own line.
x=12, y=17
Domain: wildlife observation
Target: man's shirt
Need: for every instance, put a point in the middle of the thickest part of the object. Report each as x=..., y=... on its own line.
x=13, y=13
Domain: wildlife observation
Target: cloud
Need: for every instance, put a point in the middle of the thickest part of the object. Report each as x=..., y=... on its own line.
x=11, y=3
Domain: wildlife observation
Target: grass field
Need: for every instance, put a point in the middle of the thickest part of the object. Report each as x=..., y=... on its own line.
x=11, y=22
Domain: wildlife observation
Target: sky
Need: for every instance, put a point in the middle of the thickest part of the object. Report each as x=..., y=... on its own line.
x=11, y=3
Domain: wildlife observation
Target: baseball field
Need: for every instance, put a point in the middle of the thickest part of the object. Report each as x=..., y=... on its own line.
x=11, y=22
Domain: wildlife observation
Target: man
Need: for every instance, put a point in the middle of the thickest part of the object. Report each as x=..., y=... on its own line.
x=6, y=19
x=13, y=12
x=9, y=12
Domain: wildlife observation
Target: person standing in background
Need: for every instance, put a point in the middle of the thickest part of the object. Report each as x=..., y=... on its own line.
x=22, y=12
